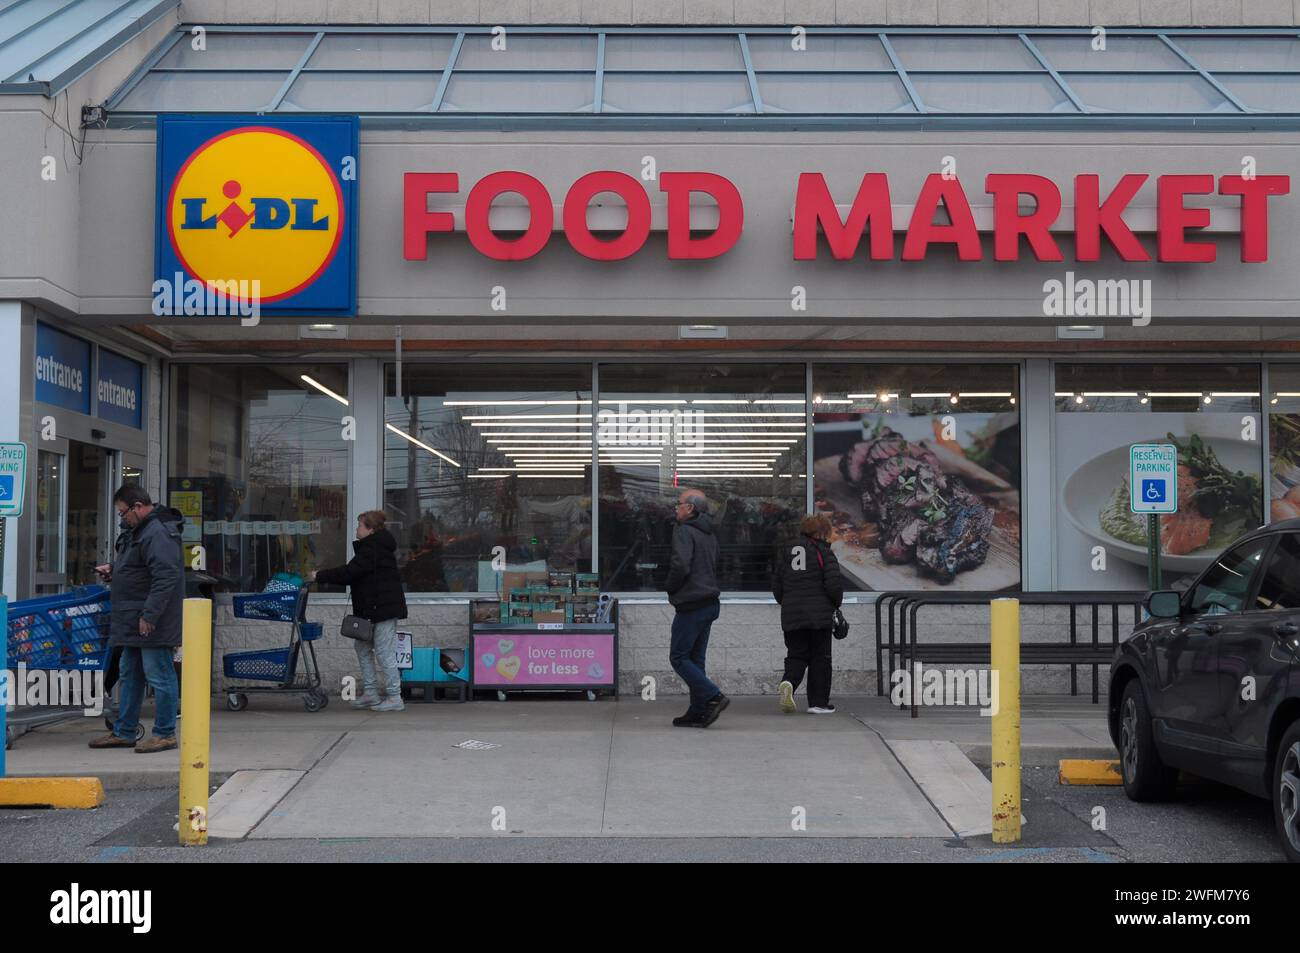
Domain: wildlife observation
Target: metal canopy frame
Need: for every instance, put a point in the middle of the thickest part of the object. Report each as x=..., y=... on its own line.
x=43, y=46
x=751, y=113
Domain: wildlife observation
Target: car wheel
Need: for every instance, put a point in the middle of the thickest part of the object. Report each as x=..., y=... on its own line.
x=1146, y=778
x=1286, y=793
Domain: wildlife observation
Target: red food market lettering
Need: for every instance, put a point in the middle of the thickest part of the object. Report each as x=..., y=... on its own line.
x=815, y=213
x=941, y=215
x=684, y=240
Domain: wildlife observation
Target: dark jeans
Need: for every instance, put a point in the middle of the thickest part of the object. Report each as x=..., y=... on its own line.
x=154, y=666
x=810, y=649
x=689, y=644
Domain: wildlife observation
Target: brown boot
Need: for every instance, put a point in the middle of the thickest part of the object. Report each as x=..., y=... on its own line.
x=154, y=743
x=110, y=740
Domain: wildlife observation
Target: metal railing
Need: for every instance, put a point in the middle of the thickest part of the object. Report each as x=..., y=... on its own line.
x=897, y=631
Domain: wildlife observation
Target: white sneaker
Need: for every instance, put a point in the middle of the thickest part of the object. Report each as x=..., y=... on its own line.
x=393, y=703
x=828, y=710
x=368, y=700
x=786, y=691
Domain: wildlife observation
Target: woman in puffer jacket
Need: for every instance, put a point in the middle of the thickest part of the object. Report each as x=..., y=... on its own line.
x=808, y=586
x=377, y=596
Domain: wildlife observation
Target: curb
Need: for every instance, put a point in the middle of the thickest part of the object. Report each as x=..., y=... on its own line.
x=57, y=792
x=1042, y=756
x=1093, y=771
x=123, y=780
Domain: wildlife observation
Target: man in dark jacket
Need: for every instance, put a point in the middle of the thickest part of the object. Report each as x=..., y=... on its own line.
x=147, y=578
x=377, y=597
x=808, y=585
x=693, y=591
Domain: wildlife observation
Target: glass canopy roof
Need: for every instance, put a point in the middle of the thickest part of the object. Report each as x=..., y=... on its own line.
x=725, y=73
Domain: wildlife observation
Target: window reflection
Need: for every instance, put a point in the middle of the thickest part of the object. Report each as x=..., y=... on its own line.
x=259, y=467
x=734, y=431
x=487, y=460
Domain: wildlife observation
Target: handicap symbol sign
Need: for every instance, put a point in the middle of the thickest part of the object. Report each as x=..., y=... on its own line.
x=1153, y=478
x=1153, y=491
x=6, y=488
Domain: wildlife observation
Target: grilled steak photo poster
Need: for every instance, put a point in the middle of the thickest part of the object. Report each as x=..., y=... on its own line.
x=1101, y=544
x=926, y=499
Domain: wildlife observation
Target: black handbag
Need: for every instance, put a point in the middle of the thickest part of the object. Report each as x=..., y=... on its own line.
x=355, y=627
x=839, y=624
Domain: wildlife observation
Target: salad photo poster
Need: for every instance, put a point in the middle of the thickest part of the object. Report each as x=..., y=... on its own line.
x=1101, y=544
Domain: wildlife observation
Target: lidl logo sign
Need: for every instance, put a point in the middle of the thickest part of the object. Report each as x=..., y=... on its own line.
x=253, y=206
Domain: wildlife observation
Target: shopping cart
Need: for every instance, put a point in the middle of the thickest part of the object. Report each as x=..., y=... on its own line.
x=293, y=670
x=66, y=633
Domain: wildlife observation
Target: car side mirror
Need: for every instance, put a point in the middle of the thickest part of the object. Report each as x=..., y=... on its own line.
x=1165, y=604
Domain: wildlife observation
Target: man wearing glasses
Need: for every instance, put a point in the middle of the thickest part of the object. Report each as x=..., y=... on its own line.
x=692, y=586
x=147, y=578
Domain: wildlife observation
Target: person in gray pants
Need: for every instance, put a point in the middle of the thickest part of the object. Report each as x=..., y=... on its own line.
x=378, y=597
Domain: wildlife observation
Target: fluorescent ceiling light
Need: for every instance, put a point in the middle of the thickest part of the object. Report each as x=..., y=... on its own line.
x=945, y=395
x=324, y=390
x=529, y=417
x=983, y=393
x=510, y=403
x=420, y=443
x=639, y=400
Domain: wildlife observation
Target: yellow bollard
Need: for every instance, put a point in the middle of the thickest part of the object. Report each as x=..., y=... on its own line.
x=196, y=714
x=1005, y=642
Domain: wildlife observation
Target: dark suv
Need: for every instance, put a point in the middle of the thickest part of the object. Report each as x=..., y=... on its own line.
x=1210, y=684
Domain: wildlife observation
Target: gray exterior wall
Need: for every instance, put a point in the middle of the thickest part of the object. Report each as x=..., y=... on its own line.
x=752, y=283
x=746, y=651
x=706, y=12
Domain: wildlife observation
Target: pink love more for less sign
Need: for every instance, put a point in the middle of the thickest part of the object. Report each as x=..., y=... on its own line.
x=544, y=658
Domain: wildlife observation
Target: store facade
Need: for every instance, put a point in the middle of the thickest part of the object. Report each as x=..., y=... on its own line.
x=940, y=323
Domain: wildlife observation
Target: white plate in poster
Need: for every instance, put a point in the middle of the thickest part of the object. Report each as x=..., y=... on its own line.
x=1090, y=487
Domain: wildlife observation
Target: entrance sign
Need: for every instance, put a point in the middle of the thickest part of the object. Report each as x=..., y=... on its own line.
x=62, y=369
x=13, y=478
x=1153, y=478
x=119, y=389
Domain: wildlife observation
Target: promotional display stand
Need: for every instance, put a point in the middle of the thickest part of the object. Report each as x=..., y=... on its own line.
x=545, y=656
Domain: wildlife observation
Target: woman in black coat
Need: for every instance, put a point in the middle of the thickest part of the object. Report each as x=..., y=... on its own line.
x=377, y=596
x=808, y=586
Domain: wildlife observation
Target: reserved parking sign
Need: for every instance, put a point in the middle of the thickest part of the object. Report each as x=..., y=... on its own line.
x=1153, y=478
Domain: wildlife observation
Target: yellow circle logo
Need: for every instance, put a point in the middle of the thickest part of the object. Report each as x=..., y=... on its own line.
x=256, y=204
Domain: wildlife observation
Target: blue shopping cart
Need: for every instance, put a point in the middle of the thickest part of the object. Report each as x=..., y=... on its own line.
x=292, y=670
x=67, y=632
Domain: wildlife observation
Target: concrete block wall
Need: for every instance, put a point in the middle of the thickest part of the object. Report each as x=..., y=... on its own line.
x=746, y=649
x=1169, y=13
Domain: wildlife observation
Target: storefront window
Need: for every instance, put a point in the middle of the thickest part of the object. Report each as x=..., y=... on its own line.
x=918, y=467
x=1284, y=440
x=259, y=466
x=735, y=431
x=49, y=512
x=487, y=466
x=1210, y=412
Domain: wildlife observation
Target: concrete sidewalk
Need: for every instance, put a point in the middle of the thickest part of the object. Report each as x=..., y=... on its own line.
x=610, y=768
x=278, y=733
x=577, y=769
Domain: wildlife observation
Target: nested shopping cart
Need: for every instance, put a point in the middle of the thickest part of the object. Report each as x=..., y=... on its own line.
x=292, y=670
x=67, y=632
